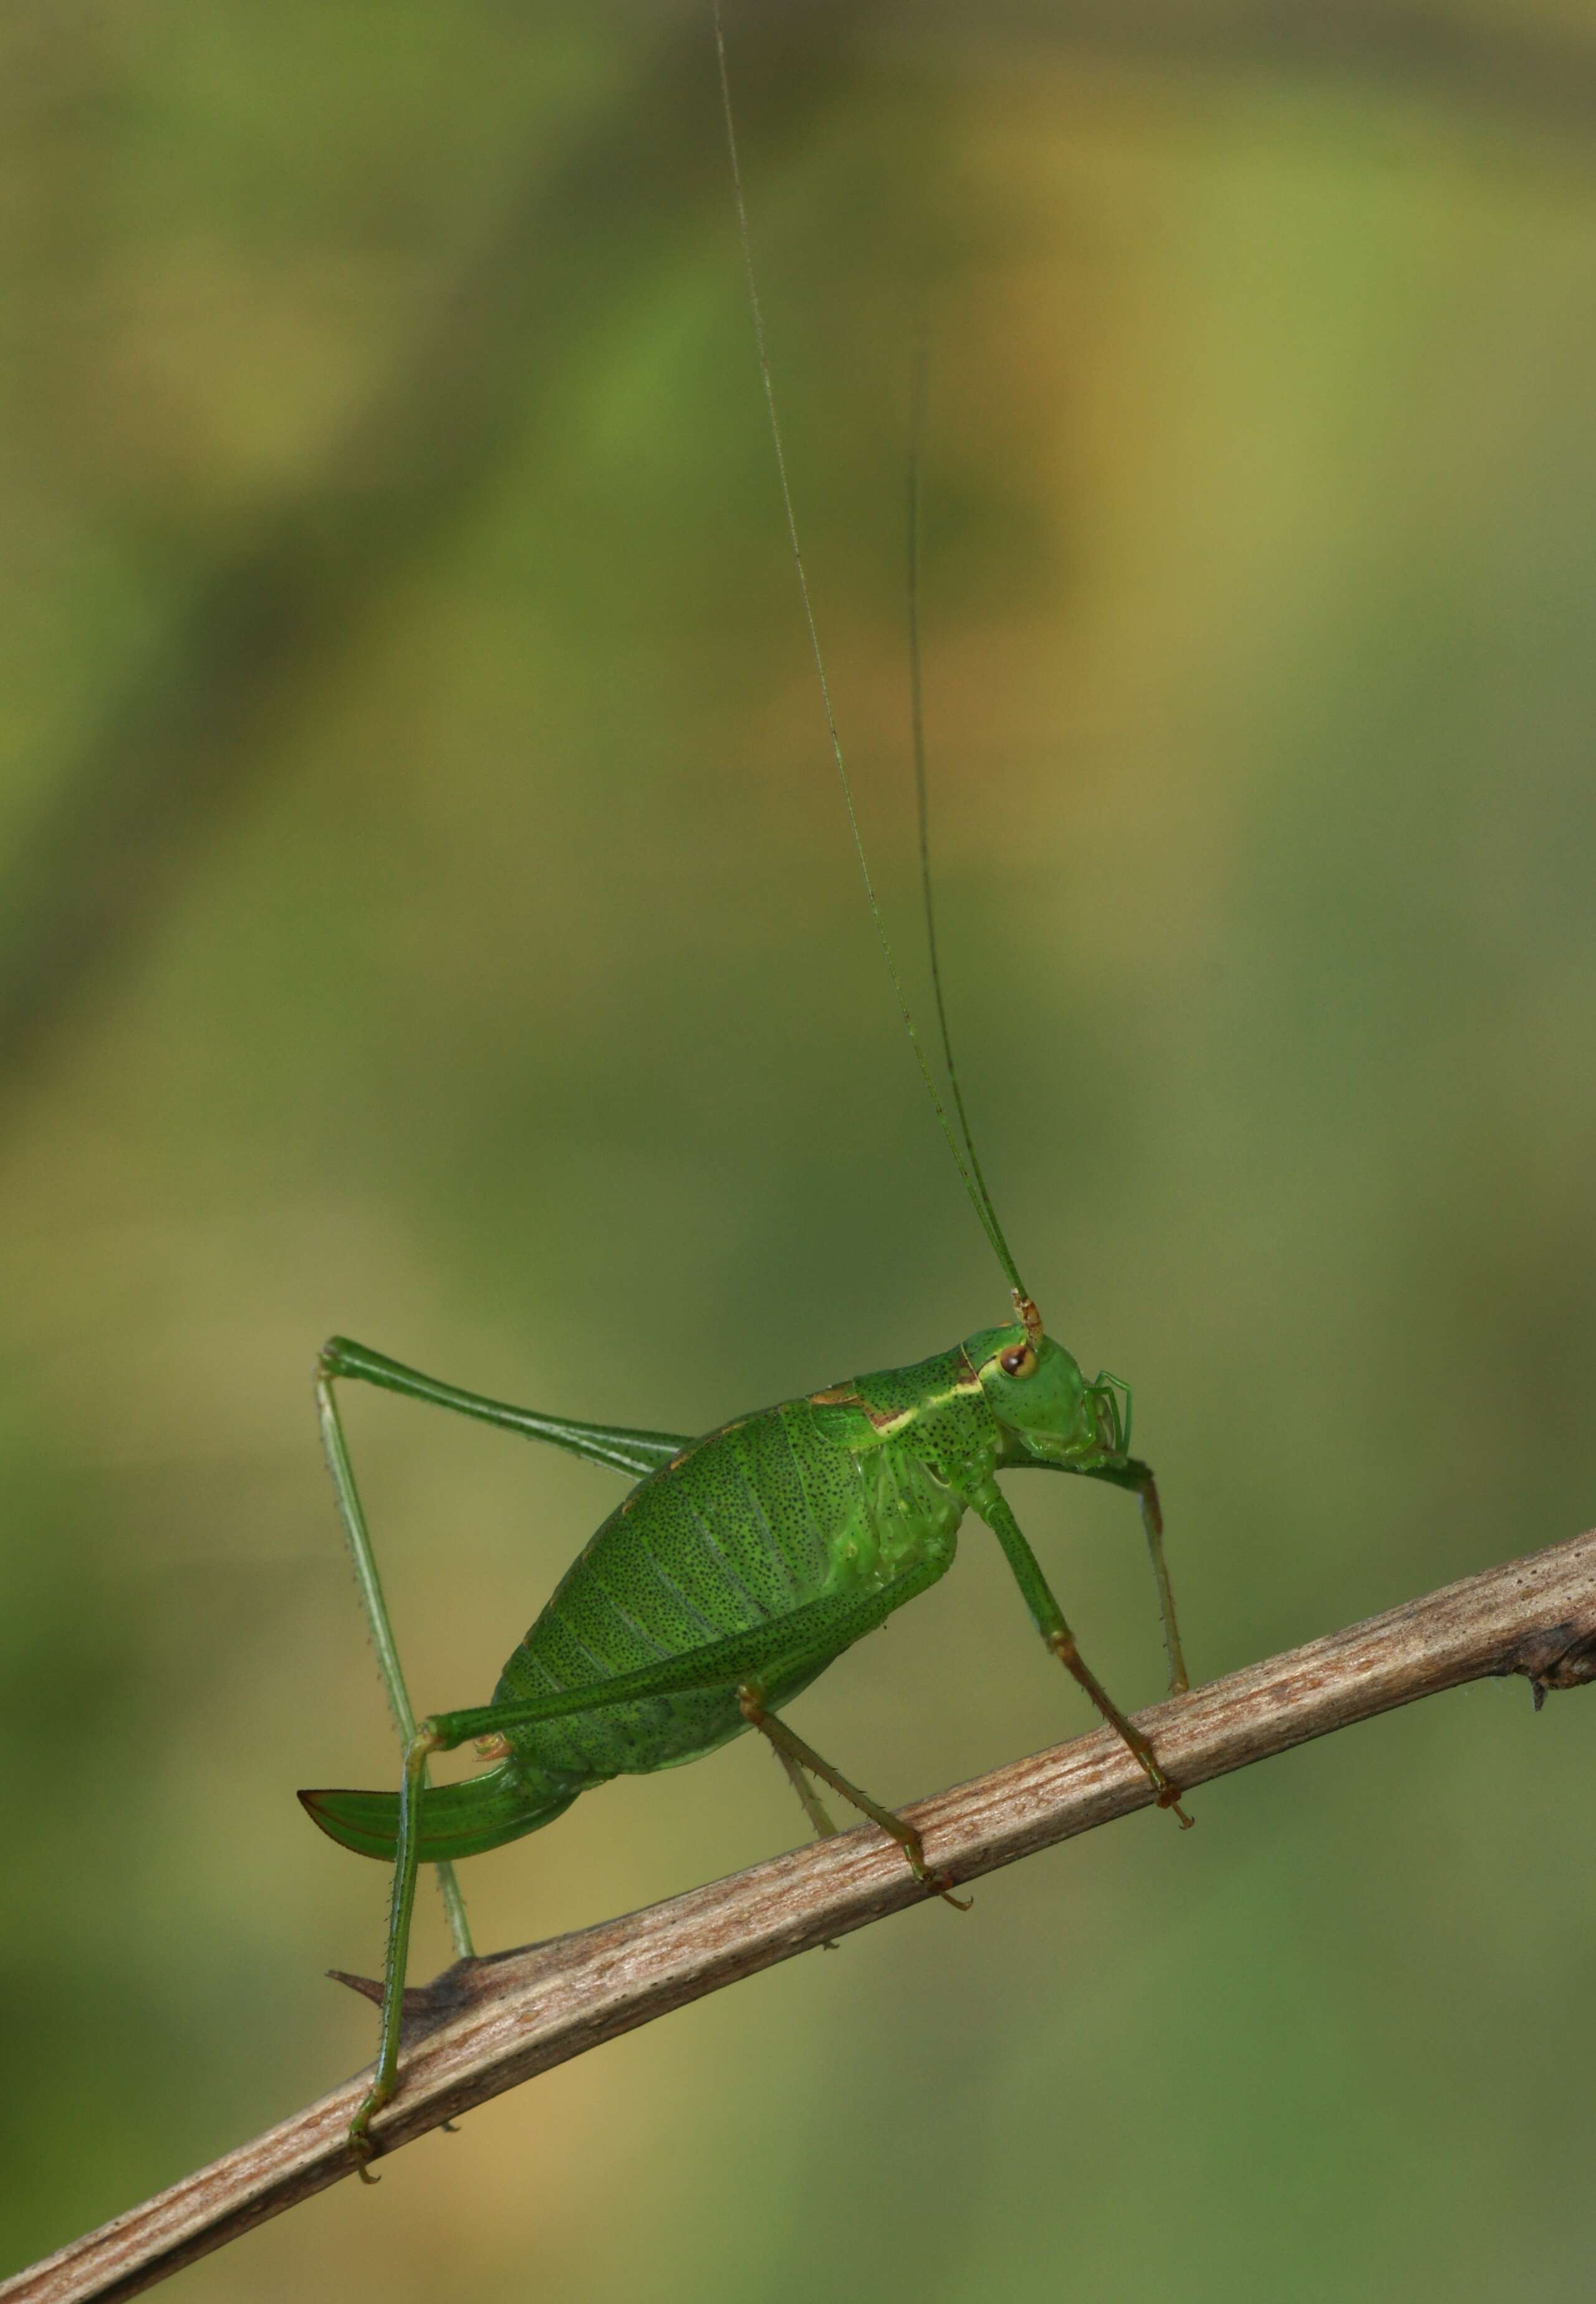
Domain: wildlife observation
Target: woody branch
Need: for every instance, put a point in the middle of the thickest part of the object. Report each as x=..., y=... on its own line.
x=487, y=2025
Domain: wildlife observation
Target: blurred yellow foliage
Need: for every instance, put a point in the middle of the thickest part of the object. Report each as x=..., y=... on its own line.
x=430, y=916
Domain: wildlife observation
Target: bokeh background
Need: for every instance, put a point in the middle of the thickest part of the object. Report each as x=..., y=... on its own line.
x=426, y=913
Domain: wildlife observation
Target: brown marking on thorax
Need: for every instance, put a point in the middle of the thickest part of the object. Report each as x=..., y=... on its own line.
x=836, y=1396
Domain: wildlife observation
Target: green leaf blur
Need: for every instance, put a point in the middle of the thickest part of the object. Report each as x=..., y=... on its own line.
x=426, y=912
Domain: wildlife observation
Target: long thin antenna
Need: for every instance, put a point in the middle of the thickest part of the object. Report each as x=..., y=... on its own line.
x=980, y=1199
x=917, y=724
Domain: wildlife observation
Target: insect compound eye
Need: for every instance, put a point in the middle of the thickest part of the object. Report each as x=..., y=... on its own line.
x=1019, y=1362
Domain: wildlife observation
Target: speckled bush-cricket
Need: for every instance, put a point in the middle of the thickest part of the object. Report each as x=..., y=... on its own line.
x=740, y=1564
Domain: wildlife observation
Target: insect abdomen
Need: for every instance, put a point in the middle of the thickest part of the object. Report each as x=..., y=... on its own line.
x=748, y=1524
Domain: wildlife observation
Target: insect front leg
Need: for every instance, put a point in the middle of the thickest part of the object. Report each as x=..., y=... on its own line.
x=1153, y=1521
x=1048, y=1617
x=1129, y=1472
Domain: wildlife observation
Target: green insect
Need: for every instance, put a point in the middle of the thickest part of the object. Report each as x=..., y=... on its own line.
x=744, y=1563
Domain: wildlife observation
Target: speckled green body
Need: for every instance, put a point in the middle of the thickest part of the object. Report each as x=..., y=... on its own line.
x=738, y=1568
x=743, y=1562
x=795, y=1503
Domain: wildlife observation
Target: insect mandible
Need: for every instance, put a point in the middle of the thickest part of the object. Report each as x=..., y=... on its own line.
x=743, y=1562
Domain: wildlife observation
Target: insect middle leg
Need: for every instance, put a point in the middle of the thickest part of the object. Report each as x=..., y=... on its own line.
x=810, y=1800
x=819, y=1630
x=798, y=1756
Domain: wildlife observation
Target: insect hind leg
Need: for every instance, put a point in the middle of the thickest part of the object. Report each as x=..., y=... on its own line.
x=358, y=1536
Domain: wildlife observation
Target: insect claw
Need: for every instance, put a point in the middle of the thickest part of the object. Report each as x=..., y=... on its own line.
x=361, y=2142
x=935, y=1884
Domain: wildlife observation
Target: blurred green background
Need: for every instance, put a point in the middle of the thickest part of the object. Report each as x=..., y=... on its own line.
x=426, y=913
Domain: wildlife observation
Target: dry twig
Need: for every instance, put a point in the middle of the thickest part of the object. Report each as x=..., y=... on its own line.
x=485, y=2025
